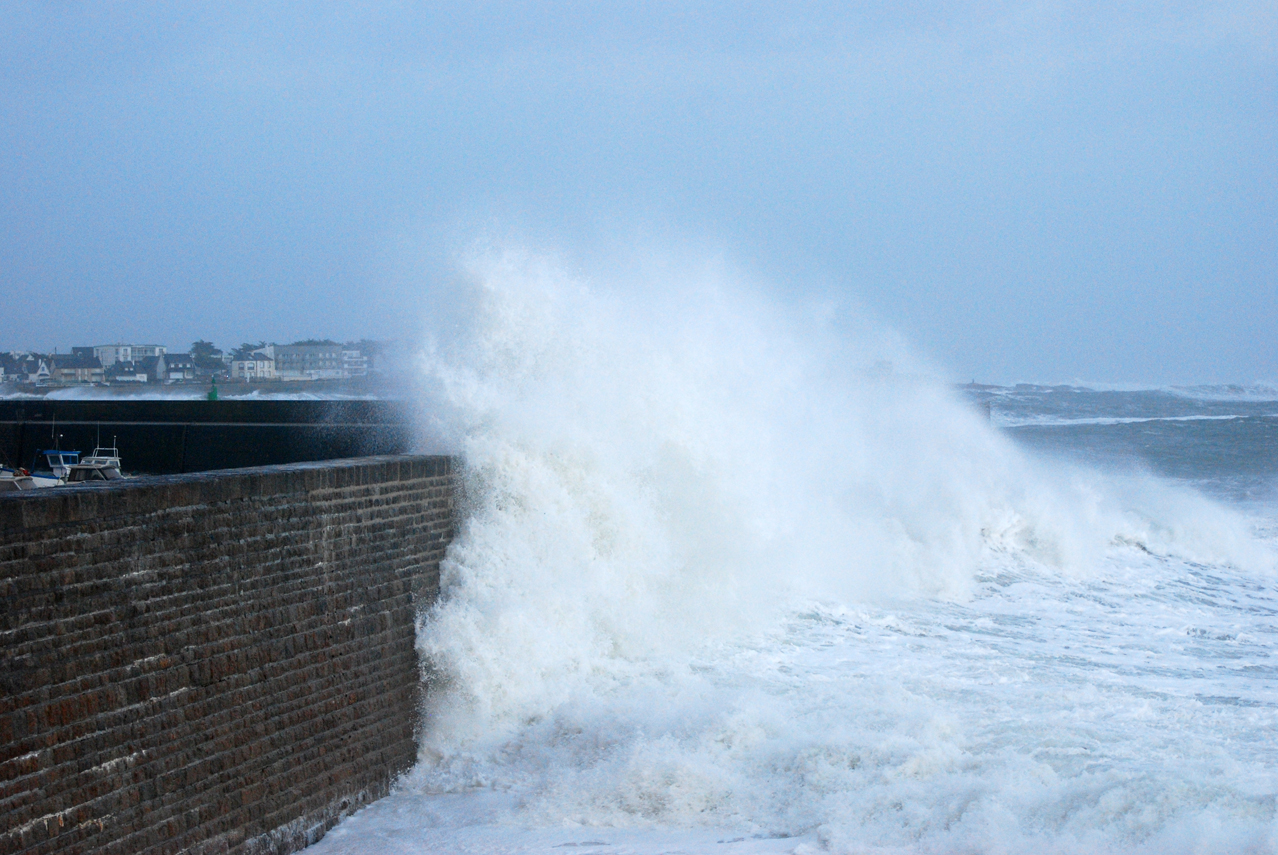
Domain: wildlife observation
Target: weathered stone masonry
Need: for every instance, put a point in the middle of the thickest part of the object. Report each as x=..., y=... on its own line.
x=220, y=662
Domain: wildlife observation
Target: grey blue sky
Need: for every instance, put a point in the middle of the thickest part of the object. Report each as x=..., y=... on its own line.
x=1028, y=191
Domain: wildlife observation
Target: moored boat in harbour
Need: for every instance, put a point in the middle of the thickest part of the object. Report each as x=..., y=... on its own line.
x=15, y=479
x=102, y=465
x=52, y=466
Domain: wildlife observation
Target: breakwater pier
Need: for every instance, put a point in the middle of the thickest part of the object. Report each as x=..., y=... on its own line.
x=175, y=436
x=210, y=662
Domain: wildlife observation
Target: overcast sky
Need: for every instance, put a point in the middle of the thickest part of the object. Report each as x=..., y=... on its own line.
x=1028, y=191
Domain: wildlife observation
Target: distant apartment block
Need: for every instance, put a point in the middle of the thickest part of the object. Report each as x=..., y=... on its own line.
x=109, y=354
x=354, y=364
x=308, y=361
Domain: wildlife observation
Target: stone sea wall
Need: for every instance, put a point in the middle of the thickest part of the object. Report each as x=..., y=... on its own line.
x=220, y=662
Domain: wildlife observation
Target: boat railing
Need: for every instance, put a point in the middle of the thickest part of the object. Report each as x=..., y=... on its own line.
x=104, y=455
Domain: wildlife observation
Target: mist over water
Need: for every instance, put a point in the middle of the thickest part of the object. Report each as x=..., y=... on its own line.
x=738, y=576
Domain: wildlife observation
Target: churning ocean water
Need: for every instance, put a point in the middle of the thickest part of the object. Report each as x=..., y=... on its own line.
x=733, y=578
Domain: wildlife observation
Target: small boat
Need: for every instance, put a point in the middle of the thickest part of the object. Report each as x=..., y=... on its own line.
x=56, y=468
x=84, y=472
x=15, y=479
x=102, y=465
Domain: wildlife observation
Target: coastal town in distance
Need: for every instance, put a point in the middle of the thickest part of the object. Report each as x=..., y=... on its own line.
x=127, y=366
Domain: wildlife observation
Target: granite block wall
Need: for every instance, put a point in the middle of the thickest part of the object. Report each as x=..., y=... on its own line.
x=220, y=662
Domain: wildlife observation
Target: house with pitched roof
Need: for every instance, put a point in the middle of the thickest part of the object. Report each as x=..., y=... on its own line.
x=179, y=368
x=125, y=372
x=24, y=367
x=75, y=369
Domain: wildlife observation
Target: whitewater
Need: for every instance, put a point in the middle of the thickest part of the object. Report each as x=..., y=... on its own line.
x=737, y=574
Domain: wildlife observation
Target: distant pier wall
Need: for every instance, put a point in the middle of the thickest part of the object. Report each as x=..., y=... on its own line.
x=168, y=437
x=220, y=662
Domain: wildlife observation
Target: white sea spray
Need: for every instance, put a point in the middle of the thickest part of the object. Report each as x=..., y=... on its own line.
x=729, y=571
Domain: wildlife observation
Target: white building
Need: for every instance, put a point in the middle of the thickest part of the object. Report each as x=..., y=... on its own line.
x=109, y=354
x=354, y=364
x=257, y=366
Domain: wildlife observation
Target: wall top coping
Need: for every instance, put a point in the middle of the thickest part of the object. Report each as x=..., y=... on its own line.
x=27, y=510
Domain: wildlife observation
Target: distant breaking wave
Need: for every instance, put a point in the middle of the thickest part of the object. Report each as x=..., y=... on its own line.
x=1049, y=421
x=1258, y=392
